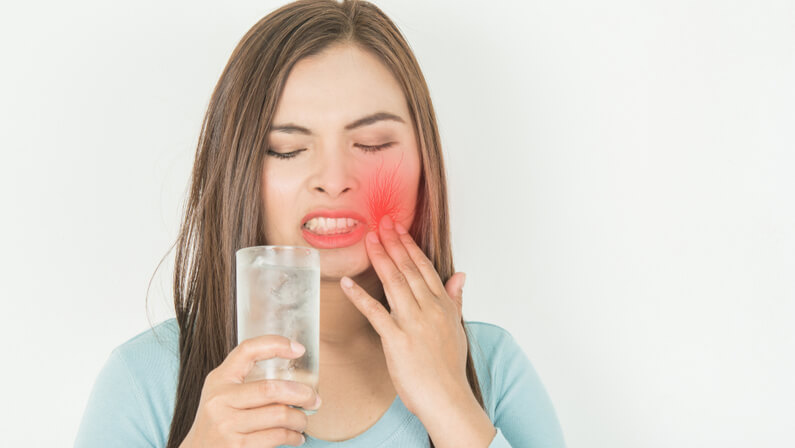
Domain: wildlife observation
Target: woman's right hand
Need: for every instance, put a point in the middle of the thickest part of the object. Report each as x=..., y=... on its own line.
x=235, y=414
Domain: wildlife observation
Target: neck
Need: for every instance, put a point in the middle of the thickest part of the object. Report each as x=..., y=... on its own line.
x=346, y=336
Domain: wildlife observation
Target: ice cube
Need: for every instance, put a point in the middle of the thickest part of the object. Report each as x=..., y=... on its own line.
x=260, y=262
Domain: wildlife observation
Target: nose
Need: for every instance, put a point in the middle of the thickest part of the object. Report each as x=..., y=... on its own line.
x=335, y=174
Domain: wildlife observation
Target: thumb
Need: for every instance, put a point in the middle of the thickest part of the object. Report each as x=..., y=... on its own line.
x=455, y=289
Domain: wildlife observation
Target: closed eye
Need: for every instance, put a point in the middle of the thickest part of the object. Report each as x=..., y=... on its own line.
x=291, y=154
x=374, y=148
x=284, y=155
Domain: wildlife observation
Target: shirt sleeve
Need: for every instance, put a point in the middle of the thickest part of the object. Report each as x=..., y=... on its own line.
x=524, y=415
x=114, y=415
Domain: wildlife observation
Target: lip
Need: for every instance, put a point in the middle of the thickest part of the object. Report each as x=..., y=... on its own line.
x=335, y=241
x=340, y=239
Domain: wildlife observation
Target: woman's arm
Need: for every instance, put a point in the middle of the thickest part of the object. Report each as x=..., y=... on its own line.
x=524, y=414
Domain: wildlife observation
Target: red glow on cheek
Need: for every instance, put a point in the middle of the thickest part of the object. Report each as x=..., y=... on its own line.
x=384, y=196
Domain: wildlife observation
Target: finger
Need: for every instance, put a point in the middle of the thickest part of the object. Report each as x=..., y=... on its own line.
x=455, y=289
x=272, y=438
x=395, y=248
x=241, y=359
x=383, y=323
x=264, y=392
x=396, y=286
x=273, y=416
x=424, y=265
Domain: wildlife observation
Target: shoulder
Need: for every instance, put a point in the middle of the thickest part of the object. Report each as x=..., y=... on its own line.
x=159, y=343
x=492, y=348
x=152, y=352
x=487, y=333
x=490, y=343
x=152, y=359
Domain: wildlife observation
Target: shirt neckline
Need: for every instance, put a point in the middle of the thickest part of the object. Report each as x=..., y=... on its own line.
x=381, y=430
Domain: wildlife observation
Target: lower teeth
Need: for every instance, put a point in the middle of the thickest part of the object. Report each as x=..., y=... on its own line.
x=332, y=232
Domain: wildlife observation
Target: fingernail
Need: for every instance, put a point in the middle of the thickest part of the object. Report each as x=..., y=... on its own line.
x=347, y=282
x=303, y=439
x=372, y=237
x=400, y=229
x=386, y=221
x=297, y=347
x=318, y=401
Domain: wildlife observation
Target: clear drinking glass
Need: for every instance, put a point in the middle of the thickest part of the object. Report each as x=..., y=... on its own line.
x=278, y=292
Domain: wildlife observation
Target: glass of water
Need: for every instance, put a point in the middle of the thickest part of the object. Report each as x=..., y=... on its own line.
x=278, y=292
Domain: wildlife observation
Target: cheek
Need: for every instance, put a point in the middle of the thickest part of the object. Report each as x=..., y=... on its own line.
x=276, y=195
x=392, y=190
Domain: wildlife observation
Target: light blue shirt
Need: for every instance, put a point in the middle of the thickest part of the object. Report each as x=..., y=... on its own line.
x=132, y=401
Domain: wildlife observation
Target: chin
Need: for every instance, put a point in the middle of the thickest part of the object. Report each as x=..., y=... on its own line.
x=337, y=263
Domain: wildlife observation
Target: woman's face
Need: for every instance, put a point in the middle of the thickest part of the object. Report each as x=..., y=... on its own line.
x=346, y=159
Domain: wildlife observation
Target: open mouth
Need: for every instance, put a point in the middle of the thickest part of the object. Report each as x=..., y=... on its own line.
x=331, y=226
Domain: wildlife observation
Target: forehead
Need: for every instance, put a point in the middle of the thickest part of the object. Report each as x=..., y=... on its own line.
x=341, y=84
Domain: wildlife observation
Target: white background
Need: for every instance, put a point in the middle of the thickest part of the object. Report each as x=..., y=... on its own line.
x=620, y=177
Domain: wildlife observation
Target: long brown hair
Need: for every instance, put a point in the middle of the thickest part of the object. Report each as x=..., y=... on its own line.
x=223, y=212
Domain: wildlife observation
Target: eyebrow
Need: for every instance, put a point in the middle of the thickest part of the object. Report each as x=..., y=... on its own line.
x=364, y=121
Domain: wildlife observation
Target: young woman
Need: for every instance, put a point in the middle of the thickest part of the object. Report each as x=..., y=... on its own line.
x=322, y=111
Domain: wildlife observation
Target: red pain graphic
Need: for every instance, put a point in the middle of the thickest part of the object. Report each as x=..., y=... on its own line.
x=384, y=197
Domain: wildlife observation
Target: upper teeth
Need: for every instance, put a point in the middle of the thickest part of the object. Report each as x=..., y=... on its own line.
x=322, y=223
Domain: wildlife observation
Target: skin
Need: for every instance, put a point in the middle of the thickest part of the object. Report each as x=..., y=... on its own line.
x=323, y=93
